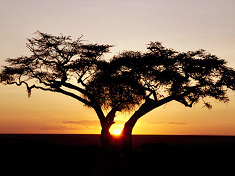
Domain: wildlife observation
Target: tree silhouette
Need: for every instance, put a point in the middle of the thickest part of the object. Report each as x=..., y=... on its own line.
x=130, y=81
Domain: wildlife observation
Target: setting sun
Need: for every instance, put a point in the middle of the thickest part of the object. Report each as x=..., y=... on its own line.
x=116, y=132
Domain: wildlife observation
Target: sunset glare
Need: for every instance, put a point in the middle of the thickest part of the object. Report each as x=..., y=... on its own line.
x=117, y=132
x=126, y=25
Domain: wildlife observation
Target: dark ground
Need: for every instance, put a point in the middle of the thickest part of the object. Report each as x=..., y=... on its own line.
x=81, y=155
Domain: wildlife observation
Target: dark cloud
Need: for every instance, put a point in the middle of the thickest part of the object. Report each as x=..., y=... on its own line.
x=82, y=122
x=168, y=123
x=89, y=122
x=92, y=124
x=58, y=128
x=176, y=123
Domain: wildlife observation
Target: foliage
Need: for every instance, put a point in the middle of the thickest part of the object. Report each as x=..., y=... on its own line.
x=163, y=72
x=125, y=82
x=57, y=62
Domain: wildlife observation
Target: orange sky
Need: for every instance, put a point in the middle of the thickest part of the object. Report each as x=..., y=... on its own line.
x=129, y=25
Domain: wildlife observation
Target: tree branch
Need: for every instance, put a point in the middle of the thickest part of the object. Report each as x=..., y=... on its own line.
x=71, y=86
x=111, y=115
x=152, y=92
x=36, y=76
x=184, y=102
x=29, y=88
x=146, y=107
x=74, y=96
x=37, y=56
x=48, y=89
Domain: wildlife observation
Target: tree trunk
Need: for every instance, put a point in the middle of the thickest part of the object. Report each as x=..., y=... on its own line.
x=148, y=106
x=116, y=144
x=123, y=142
x=106, y=139
x=126, y=134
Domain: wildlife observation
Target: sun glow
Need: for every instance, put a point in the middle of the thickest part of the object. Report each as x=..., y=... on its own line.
x=116, y=132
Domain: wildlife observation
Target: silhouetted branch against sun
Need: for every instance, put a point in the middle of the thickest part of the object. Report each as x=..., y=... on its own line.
x=130, y=81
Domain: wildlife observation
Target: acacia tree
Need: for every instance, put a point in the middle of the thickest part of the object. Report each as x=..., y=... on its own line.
x=131, y=81
x=145, y=81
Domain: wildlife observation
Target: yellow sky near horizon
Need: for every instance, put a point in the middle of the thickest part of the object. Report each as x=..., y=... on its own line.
x=129, y=25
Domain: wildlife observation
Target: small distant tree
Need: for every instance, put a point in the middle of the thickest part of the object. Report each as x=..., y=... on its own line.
x=131, y=81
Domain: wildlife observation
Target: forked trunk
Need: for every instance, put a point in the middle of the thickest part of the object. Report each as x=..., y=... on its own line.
x=124, y=141
x=112, y=143
x=120, y=143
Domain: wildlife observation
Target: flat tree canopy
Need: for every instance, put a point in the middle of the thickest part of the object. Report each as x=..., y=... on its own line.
x=130, y=81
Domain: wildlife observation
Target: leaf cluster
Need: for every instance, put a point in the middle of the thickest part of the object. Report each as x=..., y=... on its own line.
x=70, y=67
x=56, y=62
x=135, y=77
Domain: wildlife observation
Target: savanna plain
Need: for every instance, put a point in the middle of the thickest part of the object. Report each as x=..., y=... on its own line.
x=80, y=154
